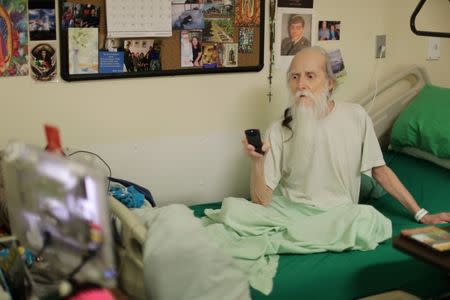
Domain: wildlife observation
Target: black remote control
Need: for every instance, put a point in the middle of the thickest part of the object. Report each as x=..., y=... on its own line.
x=254, y=139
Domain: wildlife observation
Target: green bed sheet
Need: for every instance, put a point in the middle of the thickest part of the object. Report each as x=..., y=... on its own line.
x=354, y=274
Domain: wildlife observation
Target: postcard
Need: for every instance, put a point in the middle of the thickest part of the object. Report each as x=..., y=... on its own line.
x=111, y=62
x=231, y=55
x=246, y=37
x=43, y=62
x=83, y=50
x=218, y=30
x=337, y=65
x=41, y=20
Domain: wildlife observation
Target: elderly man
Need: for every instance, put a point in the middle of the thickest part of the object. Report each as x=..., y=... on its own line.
x=316, y=154
x=296, y=41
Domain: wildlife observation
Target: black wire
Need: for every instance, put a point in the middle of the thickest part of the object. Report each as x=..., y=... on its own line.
x=95, y=154
x=47, y=241
x=84, y=260
x=99, y=157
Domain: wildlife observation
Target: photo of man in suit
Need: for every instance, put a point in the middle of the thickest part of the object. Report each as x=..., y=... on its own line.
x=296, y=40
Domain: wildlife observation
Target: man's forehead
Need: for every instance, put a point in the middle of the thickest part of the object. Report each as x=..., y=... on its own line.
x=297, y=25
x=308, y=62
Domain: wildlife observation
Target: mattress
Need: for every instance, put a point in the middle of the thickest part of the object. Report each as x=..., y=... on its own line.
x=354, y=274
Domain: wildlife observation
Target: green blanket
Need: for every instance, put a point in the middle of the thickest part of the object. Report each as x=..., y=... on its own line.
x=254, y=234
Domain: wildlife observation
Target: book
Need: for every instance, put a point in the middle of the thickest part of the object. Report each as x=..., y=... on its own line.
x=432, y=236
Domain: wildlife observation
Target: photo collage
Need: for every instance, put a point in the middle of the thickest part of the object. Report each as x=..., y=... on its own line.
x=214, y=32
x=91, y=53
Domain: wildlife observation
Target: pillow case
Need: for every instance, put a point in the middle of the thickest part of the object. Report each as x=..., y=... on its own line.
x=424, y=124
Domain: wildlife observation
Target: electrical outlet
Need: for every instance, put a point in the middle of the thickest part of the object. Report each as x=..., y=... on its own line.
x=380, y=42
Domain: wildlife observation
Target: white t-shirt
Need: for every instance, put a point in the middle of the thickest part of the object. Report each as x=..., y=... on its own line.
x=346, y=145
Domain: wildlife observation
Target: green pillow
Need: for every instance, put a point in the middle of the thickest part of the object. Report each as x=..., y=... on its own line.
x=424, y=124
x=370, y=189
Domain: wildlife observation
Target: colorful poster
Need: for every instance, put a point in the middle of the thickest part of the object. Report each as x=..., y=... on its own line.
x=83, y=50
x=13, y=38
x=247, y=12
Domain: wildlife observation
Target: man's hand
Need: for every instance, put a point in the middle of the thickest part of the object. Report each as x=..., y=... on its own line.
x=250, y=150
x=260, y=193
x=443, y=217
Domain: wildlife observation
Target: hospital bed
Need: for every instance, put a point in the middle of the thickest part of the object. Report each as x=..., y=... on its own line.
x=347, y=275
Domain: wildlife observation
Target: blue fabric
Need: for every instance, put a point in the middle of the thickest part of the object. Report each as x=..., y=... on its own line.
x=27, y=256
x=130, y=197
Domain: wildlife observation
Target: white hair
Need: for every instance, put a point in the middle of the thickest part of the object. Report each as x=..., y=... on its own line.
x=289, y=113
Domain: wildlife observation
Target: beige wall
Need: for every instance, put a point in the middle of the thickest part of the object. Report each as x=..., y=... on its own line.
x=180, y=135
x=361, y=22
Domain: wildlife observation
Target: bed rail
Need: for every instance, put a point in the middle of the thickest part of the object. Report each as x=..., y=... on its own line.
x=392, y=97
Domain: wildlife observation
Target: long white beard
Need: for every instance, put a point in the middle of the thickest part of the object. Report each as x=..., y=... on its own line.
x=306, y=121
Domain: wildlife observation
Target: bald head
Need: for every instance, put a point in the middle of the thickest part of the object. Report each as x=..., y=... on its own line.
x=316, y=58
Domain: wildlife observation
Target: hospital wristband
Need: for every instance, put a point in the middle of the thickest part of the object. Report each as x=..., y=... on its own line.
x=420, y=214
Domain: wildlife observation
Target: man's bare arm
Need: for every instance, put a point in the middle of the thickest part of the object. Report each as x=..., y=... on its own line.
x=390, y=182
x=259, y=191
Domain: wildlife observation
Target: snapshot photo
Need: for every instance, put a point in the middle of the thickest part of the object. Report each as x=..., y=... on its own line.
x=80, y=15
x=212, y=55
x=329, y=30
x=41, y=23
x=218, y=30
x=142, y=55
x=187, y=16
x=223, y=8
x=191, y=48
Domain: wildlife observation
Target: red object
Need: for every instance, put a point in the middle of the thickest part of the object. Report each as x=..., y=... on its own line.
x=53, y=140
x=93, y=294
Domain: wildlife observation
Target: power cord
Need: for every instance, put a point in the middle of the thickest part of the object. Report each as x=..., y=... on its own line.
x=95, y=154
x=84, y=260
x=382, y=49
x=99, y=157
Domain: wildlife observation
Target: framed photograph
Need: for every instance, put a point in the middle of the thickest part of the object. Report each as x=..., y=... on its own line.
x=294, y=31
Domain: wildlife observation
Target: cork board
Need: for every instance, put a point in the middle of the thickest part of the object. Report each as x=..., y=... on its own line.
x=208, y=36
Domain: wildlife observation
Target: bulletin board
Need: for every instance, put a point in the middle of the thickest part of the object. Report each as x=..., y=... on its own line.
x=205, y=36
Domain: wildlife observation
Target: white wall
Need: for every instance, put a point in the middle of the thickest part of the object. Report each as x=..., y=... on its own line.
x=180, y=135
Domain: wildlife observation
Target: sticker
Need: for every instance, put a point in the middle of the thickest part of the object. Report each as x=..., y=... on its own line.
x=43, y=60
